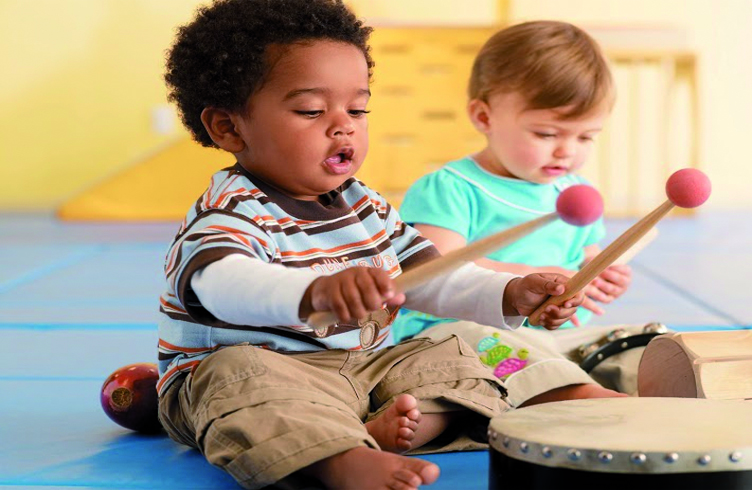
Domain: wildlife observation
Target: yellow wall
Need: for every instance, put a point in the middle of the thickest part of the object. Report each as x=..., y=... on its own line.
x=430, y=12
x=720, y=33
x=86, y=75
x=80, y=79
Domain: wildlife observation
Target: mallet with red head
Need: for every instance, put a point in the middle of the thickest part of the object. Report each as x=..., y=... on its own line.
x=686, y=188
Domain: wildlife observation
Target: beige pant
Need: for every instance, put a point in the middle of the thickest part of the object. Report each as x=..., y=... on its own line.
x=532, y=361
x=262, y=416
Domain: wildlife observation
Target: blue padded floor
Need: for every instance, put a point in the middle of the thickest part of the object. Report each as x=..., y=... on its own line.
x=79, y=300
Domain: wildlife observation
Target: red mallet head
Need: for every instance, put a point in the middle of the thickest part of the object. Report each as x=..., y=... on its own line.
x=688, y=188
x=129, y=397
x=579, y=205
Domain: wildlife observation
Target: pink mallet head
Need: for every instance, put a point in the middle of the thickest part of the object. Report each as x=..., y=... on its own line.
x=579, y=205
x=688, y=188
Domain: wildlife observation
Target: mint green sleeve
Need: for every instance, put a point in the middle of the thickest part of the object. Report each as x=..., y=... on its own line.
x=597, y=232
x=439, y=199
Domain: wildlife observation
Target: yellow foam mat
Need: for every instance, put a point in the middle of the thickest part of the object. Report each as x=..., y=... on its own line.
x=160, y=188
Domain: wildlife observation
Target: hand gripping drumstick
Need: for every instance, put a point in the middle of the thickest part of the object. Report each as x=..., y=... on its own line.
x=578, y=205
x=686, y=188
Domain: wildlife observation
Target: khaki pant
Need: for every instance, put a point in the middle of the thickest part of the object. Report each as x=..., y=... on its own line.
x=262, y=416
x=532, y=361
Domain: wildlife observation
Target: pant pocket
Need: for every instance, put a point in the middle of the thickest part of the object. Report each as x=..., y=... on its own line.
x=224, y=367
x=174, y=414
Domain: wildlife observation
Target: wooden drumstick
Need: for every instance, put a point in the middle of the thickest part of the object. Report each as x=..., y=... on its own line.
x=578, y=205
x=441, y=265
x=686, y=188
x=643, y=242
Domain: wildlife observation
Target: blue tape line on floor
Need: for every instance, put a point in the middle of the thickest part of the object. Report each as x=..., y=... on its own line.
x=78, y=326
x=40, y=272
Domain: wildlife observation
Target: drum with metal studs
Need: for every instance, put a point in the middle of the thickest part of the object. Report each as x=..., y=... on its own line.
x=630, y=443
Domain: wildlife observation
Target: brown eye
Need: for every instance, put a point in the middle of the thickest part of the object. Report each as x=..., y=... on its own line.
x=310, y=114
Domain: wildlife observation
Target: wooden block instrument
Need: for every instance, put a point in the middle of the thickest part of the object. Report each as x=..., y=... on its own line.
x=715, y=365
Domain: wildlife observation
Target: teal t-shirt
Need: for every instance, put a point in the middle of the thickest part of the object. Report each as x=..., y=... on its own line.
x=465, y=198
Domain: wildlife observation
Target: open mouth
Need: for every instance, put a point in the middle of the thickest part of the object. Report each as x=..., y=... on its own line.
x=340, y=162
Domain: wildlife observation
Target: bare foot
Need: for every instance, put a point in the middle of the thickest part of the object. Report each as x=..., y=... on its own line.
x=395, y=429
x=370, y=469
x=573, y=392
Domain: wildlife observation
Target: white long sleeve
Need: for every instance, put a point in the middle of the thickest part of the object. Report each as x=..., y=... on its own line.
x=470, y=292
x=232, y=289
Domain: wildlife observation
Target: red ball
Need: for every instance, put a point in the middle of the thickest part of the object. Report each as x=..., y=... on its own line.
x=579, y=205
x=688, y=188
x=129, y=397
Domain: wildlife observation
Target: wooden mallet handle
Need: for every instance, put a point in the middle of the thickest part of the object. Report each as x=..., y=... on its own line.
x=441, y=265
x=604, y=259
x=687, y=188
x=637, y=247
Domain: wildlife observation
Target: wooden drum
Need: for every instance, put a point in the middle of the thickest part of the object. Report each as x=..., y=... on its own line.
x=698, y=365
x=629, y=443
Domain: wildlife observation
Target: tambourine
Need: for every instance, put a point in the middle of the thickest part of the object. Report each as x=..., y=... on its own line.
x=615, y=342
x=623, y=443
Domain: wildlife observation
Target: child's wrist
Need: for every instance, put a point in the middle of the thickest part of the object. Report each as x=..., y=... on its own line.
x=306, y=303
x=508, y=307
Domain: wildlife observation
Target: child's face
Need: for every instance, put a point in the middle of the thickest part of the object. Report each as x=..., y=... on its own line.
x=536, y=145
x=306, y=131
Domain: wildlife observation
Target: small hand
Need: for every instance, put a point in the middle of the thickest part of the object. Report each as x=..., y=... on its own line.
x=589, y=303
x=610, y=284
x=351, y=294
x=524, y=295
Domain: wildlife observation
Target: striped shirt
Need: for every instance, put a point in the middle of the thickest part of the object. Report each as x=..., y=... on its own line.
x=239, y=214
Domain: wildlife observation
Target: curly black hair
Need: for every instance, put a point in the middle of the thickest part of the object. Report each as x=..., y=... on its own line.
x=218, y=59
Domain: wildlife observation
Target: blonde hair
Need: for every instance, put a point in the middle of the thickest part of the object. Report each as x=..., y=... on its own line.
x=551, y=64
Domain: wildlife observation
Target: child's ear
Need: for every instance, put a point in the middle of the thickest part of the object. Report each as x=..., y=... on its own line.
x=479, y=113
x=220, y=124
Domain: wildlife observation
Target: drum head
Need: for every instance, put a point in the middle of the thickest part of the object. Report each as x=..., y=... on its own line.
x=630, y=435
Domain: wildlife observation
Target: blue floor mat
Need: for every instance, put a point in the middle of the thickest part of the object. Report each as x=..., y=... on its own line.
x=78, y=301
